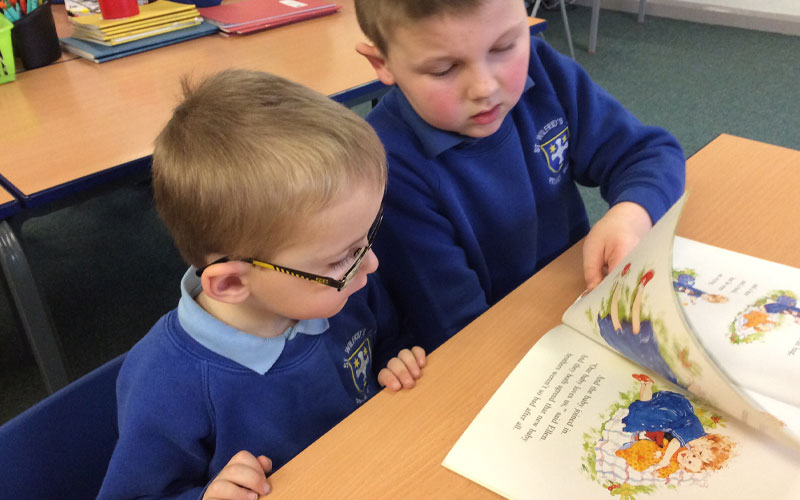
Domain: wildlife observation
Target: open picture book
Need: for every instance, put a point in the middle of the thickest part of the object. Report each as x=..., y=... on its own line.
x=678, y=376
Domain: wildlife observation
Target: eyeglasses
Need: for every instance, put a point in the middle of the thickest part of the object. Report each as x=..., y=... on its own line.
x=339, y=284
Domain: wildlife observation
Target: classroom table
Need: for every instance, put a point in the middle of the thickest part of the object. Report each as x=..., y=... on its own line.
x=78, y=122
x=742, y=196
x=78, y=119
x=8, y=204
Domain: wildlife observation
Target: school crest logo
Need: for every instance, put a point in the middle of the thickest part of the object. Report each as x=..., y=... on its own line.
x=359, y=362
x=555, y=151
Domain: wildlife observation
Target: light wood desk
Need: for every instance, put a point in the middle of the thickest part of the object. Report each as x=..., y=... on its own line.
x=8, y=204
x=77, y=118
x=742, y=197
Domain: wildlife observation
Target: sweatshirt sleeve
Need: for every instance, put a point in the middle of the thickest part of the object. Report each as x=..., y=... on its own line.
x=425, y=266
x=391, y=336
x=609, y=146
x=163, y=426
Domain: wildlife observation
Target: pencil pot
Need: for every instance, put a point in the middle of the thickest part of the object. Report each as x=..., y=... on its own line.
x=35, y=38
x=6, y=52
x=117, y=9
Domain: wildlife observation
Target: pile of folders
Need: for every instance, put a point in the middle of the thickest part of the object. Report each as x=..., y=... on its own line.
x=158, y=23
x=248, y=16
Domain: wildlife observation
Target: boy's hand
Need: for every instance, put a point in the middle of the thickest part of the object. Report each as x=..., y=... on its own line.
x=611, y=238
x=402, y=372
x=243, y=478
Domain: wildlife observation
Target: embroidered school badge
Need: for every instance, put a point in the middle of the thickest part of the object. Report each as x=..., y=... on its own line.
x=555, y=150
x=359, y=363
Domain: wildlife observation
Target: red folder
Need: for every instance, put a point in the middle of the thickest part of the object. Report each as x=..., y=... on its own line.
x=255, y=15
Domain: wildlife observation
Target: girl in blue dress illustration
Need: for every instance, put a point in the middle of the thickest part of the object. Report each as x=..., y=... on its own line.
x=764, y=315
x=683, y=281
x=653, y=439
x=632, y=336
x=783, y=304
x=668, y=420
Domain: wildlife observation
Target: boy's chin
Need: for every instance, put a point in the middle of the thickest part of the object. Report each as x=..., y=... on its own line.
x=479, y=131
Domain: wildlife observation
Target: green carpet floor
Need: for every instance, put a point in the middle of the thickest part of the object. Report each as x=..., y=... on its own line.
x=695, y=80
x=108, y=270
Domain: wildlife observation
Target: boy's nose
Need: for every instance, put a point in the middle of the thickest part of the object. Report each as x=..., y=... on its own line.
x=370, y=262
x=482, y=84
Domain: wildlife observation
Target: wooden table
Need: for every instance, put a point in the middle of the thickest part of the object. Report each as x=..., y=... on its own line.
x=742, y=197
x=8, y=204
x=78, y=118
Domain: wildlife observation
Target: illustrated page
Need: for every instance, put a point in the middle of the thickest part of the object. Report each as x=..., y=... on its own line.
x=576, y=420
x=744, y=310
x=636, y=312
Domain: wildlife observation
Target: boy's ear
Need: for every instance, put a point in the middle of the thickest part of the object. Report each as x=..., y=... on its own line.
x=377, y=61
x=225, y=282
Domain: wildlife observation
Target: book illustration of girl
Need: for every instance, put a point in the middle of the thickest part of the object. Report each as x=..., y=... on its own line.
x=633, y=337
x=683, y=281
x=764, y=315
x=784, y=304
x=658, y=439
x=667, y=420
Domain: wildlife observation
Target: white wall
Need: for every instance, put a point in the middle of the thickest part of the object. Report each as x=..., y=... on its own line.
x=779, y=16
x=790, y=7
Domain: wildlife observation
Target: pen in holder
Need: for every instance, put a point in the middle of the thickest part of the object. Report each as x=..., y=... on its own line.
x=35, y=39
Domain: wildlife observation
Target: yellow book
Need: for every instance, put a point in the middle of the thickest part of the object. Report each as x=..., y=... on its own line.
x=139, y=34
x=137, y=26
x=153, y=10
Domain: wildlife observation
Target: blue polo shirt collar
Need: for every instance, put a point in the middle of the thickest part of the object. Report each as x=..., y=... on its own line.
x=251, y=351
x=434, y=140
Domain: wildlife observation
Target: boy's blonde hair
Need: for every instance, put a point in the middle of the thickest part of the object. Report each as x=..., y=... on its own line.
x=248, y=156
x=378, y=18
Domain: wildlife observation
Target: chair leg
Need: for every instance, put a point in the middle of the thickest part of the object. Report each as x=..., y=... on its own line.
x=32, y=312
x=535, y=8
x=642, y=4
x=593, y=26
x=566, y=28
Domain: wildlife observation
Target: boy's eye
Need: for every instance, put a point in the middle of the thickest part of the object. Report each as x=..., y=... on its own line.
x=344, y=263
x=442, y=73
x=503, y=48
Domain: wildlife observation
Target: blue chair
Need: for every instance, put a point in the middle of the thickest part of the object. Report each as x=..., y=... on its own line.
x=60, y=447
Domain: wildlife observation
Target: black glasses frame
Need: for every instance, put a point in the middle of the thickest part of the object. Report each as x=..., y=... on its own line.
x=322, y=280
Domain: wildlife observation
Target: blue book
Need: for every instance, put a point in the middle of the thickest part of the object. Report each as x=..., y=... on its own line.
x=102, y=53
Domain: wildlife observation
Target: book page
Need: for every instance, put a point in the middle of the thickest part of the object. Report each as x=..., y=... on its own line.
x=576, y=420
x=636, y=312
x=745, y=312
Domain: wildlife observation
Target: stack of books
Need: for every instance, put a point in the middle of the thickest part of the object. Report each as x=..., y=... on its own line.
x=157, y=24
x=153, y=19
x=248, y=16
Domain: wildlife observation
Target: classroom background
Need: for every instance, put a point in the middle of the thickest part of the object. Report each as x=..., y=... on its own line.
x=108, y=270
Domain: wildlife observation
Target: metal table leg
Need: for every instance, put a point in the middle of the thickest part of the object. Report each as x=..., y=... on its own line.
x=32, y=311
x=593, y=26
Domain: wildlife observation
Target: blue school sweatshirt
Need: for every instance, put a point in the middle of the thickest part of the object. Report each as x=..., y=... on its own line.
x=186, y=407
x=468, y=220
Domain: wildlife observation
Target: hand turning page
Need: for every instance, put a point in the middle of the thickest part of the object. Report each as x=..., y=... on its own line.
x=648, y=389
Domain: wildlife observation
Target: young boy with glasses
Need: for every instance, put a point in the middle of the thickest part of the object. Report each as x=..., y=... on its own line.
x=273, y=194
x=488, y=131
